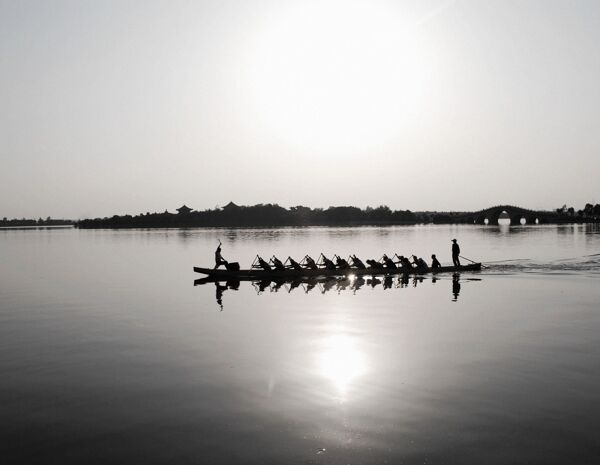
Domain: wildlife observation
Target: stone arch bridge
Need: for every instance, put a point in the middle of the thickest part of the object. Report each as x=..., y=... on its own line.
x=492, y=214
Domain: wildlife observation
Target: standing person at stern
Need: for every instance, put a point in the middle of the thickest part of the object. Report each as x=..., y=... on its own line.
x=455, y=253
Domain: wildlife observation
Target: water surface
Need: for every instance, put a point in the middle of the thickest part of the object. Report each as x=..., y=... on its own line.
x=110, y=354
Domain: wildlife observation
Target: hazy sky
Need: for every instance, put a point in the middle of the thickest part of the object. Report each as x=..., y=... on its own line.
x=126, y=107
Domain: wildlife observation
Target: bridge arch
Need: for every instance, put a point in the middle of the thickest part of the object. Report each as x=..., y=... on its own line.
x=515, y=214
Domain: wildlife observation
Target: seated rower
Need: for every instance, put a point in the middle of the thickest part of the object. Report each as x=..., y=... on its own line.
x=357, y=262
x=374, y=265
x=294, y=264
x=388, y=262
x=310, y=263
x=327, y=263
x=435, y=262
x=341, y=263
x=277, y=263
x=263, y=264
x=419, y=262
x=405, y=263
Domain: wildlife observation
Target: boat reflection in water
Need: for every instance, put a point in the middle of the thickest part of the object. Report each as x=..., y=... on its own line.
x=455, y=286
x=330, y=283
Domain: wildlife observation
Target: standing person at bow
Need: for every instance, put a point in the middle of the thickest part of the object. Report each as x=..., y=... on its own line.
x=219, y=260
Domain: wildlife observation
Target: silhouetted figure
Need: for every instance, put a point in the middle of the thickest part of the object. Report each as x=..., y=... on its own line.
x=277, y=264
x=455, y=253
x=327, y=263
x=435, y=264
x=219, y=260
x=419, y=263
x=310, y=263
x=263, y=264
x=405, y=263
x=388, y=262
x=455, y=286
x=294, y=264
x=374, y=265
x=341, y=263
x=357, y=262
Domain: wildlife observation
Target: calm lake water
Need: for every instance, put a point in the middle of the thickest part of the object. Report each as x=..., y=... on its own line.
x=110, y=354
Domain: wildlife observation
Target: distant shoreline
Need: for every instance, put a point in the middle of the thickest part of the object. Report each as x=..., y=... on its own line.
x=273, y=215
x=65, y=226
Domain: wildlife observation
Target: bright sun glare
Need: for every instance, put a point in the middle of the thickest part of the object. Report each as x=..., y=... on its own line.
x=341, y=362
x=336, y=75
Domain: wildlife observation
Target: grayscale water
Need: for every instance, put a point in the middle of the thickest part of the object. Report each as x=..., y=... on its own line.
x=109, y=354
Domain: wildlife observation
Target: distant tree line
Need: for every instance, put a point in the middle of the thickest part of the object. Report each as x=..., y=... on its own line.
x=5, y=222
x=589, y=212
x=258, y=215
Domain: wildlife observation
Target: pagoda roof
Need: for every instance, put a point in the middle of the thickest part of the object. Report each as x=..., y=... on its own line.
x=230, y=205
x=184, y=209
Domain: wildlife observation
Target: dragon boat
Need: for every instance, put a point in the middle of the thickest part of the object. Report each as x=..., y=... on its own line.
x=291, y=273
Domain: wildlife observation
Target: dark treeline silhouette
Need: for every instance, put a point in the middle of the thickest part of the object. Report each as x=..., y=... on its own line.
x=256, y=216
x=590, y=211
x=5, y=222
x=267, y=215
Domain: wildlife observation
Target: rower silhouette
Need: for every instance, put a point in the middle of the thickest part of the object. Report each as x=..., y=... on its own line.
x=327, y=263
x=388, y=262
x=309, y=263
x=357, y=262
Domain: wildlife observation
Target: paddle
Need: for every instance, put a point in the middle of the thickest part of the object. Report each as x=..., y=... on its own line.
x=468, y=259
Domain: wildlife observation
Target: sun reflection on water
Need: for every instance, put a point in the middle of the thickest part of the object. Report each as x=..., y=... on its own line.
x=341, y=362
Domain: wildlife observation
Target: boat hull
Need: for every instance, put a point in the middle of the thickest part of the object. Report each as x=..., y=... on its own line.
x=254, y=274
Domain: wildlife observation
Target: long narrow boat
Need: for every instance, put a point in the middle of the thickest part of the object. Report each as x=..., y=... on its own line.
x=251, y=274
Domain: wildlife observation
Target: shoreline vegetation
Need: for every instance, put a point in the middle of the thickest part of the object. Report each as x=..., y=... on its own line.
x=29, y=223
x=273, y=215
